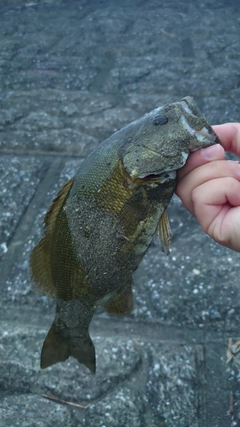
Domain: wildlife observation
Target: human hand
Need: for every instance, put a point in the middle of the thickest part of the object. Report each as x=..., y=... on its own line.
x=209, y=187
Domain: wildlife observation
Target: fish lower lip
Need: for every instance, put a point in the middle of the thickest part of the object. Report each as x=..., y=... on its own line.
x=204, y=136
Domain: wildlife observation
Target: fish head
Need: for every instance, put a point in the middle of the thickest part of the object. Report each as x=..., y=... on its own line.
x=162, y=140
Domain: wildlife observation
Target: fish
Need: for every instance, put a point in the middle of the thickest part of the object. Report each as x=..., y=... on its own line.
x=103, y=220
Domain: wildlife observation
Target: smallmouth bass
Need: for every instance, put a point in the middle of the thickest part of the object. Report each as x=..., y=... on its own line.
x=103, y=220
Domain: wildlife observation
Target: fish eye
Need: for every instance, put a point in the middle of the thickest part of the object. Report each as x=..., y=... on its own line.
x=160, y=119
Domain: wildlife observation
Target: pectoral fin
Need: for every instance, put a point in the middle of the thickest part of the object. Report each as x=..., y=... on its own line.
x=121, y=302
x=164, y=233
x=59, y=346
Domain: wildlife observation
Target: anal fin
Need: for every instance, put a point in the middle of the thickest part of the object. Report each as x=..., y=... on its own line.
x=121, y=302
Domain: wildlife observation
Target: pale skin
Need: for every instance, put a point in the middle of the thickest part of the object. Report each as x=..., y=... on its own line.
x=209, y=187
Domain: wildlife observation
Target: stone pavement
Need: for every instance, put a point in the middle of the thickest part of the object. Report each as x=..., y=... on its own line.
x=72, y=73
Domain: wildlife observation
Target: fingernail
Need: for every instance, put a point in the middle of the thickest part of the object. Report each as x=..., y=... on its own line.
x=212, y=152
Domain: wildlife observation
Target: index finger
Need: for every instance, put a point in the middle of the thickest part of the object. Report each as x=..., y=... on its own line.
x=229, y=135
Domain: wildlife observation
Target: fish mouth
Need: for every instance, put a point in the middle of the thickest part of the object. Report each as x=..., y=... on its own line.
x=206, y=136
x=203, y=137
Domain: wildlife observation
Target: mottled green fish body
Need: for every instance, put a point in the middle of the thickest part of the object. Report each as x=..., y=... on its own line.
x=103, y=220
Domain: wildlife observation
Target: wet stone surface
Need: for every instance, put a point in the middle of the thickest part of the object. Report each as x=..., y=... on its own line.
x=20, y=410
x=19, y=178
x=117, y=409
x=170, y=389
x=71, y=74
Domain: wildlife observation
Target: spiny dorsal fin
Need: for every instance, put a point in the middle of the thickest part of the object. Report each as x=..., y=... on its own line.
x=121, y=302
x=164, y=233
x=40, y=261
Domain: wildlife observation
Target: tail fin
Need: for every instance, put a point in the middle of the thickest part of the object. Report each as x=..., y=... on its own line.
x=56, y=348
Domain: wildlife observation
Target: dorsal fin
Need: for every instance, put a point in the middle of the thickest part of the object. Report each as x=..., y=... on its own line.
x=121, y=302
x=56, y=205
x=40, y=261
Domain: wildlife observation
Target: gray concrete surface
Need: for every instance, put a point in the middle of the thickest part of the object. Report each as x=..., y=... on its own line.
x=72, y=73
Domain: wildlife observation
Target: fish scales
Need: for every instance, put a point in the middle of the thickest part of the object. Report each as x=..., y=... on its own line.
x=103, y=220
